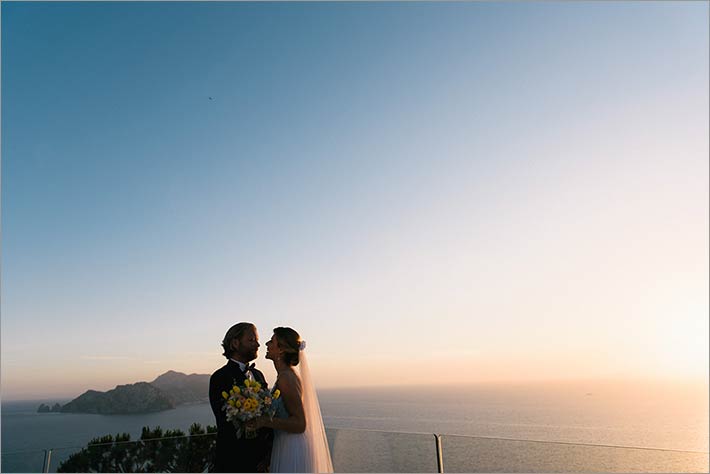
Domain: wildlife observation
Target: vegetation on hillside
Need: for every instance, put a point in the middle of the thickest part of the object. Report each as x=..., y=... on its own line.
x=156, y=451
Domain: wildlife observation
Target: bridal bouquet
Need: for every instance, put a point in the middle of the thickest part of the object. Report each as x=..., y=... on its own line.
x=246, y=403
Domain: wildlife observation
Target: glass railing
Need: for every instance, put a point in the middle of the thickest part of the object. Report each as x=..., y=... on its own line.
x=23, y=461
x=370, y=451
x=381, y=451
x=479, y=454
x=170, y=454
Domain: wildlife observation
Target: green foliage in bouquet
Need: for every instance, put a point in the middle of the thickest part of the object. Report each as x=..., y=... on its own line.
x=157, y=451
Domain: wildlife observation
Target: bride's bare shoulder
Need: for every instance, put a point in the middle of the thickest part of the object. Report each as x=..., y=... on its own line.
x=288, y=380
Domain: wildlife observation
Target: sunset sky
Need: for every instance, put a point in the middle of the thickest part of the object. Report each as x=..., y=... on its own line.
x=427, y=192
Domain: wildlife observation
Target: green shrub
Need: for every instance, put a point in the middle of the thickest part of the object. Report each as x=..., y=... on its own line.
x=156, y=451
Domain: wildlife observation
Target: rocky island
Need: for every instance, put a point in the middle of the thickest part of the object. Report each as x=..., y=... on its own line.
x=165, y=392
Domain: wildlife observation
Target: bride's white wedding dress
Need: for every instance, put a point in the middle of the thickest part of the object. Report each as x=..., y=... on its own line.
x=307, y=451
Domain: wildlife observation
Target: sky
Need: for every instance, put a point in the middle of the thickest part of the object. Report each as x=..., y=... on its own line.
x=428, y=192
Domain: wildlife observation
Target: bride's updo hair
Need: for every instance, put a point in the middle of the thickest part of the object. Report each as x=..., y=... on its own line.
x=289, y=342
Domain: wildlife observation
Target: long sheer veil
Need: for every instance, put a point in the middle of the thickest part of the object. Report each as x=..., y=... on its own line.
x=318, y=449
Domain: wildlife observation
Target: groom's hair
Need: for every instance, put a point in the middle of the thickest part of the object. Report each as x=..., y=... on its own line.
x=235, y=332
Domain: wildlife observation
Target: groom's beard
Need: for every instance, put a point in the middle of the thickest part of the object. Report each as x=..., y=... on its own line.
x=248, y=355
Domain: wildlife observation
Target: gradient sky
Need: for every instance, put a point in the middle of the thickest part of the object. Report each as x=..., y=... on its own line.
x=428, y=192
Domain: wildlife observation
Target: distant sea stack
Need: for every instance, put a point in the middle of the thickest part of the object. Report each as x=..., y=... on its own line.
x=165, y=392
x=47, y=409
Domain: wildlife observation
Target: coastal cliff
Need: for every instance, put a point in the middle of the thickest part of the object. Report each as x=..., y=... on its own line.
x=165, y=392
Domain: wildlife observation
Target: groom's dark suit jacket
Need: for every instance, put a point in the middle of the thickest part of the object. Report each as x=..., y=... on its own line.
x=236, y=455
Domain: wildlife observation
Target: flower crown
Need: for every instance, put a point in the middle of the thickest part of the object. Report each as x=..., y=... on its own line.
x=302, y=345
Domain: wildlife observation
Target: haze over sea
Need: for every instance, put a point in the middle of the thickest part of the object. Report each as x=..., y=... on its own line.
x=605, y=413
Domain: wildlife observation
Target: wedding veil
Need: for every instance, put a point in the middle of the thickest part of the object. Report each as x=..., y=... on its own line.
x=317, y=443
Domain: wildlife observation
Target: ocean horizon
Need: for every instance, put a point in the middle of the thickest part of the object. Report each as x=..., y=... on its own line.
x=667, y=418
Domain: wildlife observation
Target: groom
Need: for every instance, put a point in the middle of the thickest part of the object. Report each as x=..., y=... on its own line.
x=240, y=344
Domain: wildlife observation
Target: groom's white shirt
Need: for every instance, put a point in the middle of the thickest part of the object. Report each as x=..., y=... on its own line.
x=242, y=366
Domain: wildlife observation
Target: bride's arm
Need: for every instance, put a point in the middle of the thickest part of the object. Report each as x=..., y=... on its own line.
x=290, y=387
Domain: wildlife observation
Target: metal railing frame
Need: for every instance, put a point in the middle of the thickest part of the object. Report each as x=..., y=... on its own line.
x=439, y=454
x=47, y=460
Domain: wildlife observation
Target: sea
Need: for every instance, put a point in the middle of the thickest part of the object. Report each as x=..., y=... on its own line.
x=526, y=427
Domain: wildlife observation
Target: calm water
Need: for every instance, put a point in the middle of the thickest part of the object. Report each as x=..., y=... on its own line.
x=625, y=415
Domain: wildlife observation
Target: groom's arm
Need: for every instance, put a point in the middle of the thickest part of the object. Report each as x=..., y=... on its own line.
x=217, y=386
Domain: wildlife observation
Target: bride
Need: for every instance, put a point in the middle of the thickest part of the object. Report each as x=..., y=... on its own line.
x=300, y=444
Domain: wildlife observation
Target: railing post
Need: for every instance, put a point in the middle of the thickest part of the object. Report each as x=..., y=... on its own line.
x=439, y=454
x=47, y=460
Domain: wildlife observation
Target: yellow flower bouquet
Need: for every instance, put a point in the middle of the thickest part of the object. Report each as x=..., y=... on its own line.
x=247, y=402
